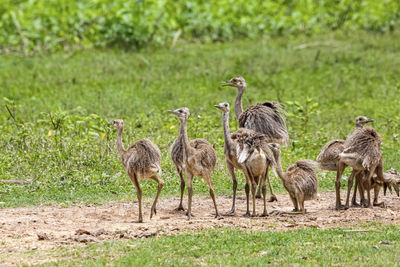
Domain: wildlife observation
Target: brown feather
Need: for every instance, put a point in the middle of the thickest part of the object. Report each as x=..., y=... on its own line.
x=366, y=143
x=177, y=149
x=302, y=176
x=255, y=141
x=329, y=155
x=145, y=155
x=266, y=118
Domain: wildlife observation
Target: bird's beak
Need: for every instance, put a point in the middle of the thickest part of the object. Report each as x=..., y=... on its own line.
x=218, y=106
x=172, y=111
x=370, y=120
x=226, y=83
x=111, y=123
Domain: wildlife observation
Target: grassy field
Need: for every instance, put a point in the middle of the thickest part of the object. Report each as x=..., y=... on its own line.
x=56, y=132
x=367, y=244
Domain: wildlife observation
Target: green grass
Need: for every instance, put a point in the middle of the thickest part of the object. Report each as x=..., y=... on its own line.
x=323, y=87
x=231, y=247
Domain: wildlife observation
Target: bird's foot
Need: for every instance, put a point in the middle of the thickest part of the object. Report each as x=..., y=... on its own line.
x=140, y=220
x=153, y=211
x=191, y=214
x=218, y=216
x=254, y=214
x=340, y=207
x=264, y=214
x=295, y=210
x=355, y=204
x=247, y=214
x=258, y=195
x=230, y=213
x=179, y=208
x=364, y=203
x=273, y=198
x=381, y=205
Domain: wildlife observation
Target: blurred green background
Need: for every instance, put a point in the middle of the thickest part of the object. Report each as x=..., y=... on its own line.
x=67, y=68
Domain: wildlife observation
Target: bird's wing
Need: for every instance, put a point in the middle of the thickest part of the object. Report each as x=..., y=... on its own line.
x=330, y=152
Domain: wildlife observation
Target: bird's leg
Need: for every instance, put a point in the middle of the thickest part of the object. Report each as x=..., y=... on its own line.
x=190, y=195
x=340, y=168
x=369, y=175
x=273, y=196
x=231, y=171
x=264, y=193
x=354, y=199
x=160, y=183
x=294, y=200
x=363, y=200
x=247, y=190
x=300, y=199
x=135, y=181
x=212, y=195
x=258, y=195
x=376, y=195
x=180, y=207
x=349, y=186
x=253, y=192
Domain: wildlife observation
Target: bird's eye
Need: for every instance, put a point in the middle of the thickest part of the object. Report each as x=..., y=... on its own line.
x=226, y=105
x=180, y=111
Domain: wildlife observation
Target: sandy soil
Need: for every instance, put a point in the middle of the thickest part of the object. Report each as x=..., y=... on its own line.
x=45, y=227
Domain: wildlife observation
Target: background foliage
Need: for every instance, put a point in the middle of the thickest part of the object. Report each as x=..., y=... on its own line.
x=58, y=135
x=33, y=26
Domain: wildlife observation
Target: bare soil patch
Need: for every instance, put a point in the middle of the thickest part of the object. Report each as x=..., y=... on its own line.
x=45, y=227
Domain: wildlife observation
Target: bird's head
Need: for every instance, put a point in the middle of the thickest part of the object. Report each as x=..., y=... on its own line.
x=118, y=123
x=223, y=106
x=362, y=120
x=275, y=148
x=181, y=113
x=237, y=82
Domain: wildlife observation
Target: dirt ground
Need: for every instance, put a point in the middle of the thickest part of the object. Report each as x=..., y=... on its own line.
x=46, y=227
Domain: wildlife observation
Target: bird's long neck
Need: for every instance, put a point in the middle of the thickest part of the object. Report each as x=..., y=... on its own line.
x=238, y=103
x=279, y=170
x=184, y=136
x=227, y=134
x=120, y=146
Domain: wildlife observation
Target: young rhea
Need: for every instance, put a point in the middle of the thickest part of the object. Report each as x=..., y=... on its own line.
x=391, y=179
x=328, y=158
x=254, y=154
x=142, y=160
x=266, y=117
x=362, y=152
x=177, y=158
x=198, y=160
x=249, y=167
x=300, y=180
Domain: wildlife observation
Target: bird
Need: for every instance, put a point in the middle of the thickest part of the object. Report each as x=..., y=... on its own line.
x=254, y=154
x=231, y=156
x=328, y=158
x=141, y=161
x=198, y=160
x=329, y=155
x=266, y=117
x=177, y=159
x=300, y=179
x=391, y=179
x=362, y=152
